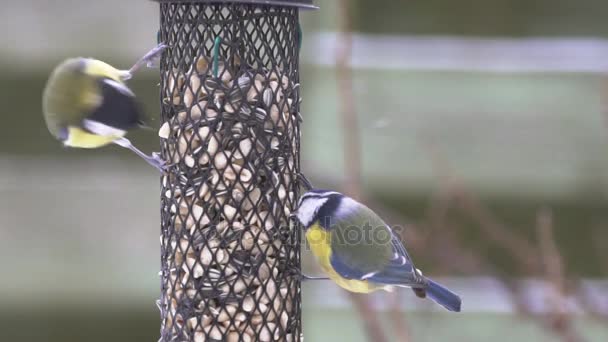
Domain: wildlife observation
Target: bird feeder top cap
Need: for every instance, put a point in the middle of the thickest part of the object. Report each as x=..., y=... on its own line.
x=306, y=4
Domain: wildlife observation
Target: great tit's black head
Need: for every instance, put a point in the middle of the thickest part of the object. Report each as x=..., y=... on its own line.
x=317, y=205
x=63, y=134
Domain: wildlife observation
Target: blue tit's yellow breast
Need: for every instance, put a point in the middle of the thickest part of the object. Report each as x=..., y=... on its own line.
x=319, y=241
x=77, y=137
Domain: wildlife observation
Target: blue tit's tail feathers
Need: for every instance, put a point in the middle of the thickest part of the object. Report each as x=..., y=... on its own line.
x=442, y=296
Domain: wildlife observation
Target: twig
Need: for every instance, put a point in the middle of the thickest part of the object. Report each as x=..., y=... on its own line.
x=560, y=320
x=396, y=317
x=352, y=151
x=348, y=114
x=520, y=248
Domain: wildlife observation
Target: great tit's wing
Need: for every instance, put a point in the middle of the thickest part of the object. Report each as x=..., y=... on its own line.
x=118, y=109
x=364, y=247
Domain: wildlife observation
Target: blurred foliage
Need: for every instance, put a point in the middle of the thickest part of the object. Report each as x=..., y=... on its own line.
x=578, y=220
x=482, y=17
x=137, y=324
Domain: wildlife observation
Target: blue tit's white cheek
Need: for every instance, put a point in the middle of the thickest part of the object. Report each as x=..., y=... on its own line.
x=308, y=210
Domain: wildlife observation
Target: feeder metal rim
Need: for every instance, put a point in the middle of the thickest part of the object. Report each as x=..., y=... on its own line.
x=304, y=4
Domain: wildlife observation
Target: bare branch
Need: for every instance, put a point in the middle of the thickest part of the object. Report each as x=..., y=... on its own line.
x=352, y=162
x=559, y=320
x=520, y=248
x=396, y=316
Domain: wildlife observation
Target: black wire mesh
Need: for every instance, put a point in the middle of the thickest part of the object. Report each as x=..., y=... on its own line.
x=230, y=111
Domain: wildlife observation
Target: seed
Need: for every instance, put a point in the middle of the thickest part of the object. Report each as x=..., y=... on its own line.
x=268, y=95
x=220, y=161
x=273, y=76
x=275, y=115
x=229, y=108
x=248, y=304
x=269, y=332
x=260, y=114
x=257, y=319
x=164, y=131
x=192, y=323
x=239, y=286
x=244, y=82
x=206, y=256
x=274, y=143
x=248, y=241
x=211, y=114
x=231, y=173
x=203, y=132
x=204, y=159
x=191, y=90
x=245, y=147
x=282, y=192
x=202, y=65
x=213, y=145
x=229, y=212
x=234, y=337
x=198, y=271
x=227, y=312
x=215, y=332
x=203, y=191
x=189, y=161
x=245, y=176
x=197, y=110
x=252, y=199
x=284, y=320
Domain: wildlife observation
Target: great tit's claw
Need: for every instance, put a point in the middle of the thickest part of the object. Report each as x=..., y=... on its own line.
x=152, y=58
x=157, y=161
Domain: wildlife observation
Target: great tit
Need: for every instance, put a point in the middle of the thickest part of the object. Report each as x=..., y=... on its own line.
x=87, y=104
x=359, y=251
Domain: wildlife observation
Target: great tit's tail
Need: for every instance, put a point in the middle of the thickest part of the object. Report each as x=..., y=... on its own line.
x=442, y=296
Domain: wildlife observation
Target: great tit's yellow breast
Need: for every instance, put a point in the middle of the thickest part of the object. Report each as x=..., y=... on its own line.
x=319, y=241
x=102, y=69
x=77, y=137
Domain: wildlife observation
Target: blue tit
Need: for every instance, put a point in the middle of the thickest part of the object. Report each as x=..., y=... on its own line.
x=87, y=104
x=359, y=251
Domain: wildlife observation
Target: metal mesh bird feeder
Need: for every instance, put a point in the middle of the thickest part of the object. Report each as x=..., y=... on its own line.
x=230, y=98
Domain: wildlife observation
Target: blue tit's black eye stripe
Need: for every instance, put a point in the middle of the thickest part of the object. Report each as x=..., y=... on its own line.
x=328, y=210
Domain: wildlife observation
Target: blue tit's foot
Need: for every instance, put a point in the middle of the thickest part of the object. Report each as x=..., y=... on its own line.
x=297, y=272
x=304, y=277
x=304, y=181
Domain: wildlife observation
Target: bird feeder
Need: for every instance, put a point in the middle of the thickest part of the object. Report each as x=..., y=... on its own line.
x=230, y=133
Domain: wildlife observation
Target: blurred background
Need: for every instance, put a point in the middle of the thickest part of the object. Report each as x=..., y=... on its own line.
x=480, y=125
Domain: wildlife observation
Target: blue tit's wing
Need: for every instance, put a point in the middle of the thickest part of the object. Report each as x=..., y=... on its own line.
x=360, y=241
x=365, y=248
x=400, y=270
